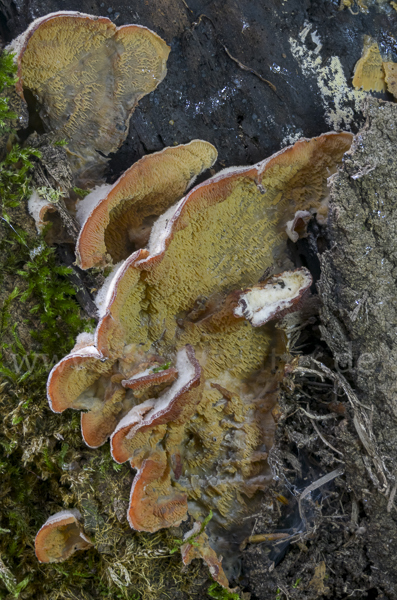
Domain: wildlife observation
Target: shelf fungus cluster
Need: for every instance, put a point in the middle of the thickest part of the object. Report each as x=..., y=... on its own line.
x=86, y=76
x=371, y=73
x=183, y=370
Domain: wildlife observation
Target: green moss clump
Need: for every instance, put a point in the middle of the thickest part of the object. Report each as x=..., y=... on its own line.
x=8, y=78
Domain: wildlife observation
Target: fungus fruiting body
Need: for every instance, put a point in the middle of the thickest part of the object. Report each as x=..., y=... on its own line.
x=87, y=76
x=60, y=537
x=368, y=72
x=274, y=297
x=297, y=226
x=194, y=306
x=121, y=222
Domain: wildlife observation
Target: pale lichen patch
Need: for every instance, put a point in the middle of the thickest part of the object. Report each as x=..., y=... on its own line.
x=340, y=101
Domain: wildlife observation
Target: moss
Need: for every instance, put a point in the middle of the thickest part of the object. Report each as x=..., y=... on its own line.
x=216, y=591
x=7, y=79
x=44, y=465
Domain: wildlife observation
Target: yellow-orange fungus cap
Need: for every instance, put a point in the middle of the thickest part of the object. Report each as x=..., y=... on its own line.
x=60, y=537
x=88, y=76
x=121, y=222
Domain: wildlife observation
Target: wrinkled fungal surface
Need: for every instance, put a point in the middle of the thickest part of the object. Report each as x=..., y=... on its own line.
x=87, y=76
x=60, y=537
x=199, y=441
x=368, y=73
x=121, y=222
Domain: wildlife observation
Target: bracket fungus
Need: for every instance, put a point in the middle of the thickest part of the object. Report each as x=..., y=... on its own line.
x=121, y=222
x=40, y=209
x=87, y=76
x=368, y=72
x=194, y=305
x=60, y=537
x=273, y=298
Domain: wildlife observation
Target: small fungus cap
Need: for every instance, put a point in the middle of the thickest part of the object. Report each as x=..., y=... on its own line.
x=74, y=374
x=121, y=222
x=176, y=404
x=368, y=72
x=60, y=537
x=154, y=502
x=274, y=297
x=88, y=75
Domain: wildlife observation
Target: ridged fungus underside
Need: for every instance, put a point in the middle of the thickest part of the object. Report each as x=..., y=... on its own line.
x=200, y=437
x=121, y=222
x=368, y=72
x=87, y=76
x=60, y=537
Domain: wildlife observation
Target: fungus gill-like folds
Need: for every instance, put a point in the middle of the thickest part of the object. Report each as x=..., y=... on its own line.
x=87, y=76
x=176, y=405
x=60, y=537
x=154, y=502
x=368, y=72
x=200, y=438
x=121, y=222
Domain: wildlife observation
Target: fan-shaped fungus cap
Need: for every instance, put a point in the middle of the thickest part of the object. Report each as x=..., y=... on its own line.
x=176, y=405
x=121, y=222
x=368, y=72
x=60, y=537
x=82, y=380
x=149, y=379
x=73, y=375
x=297, y=226
x=193, y=247
x=390, y=69
x=88, y=75
x=154, y=502
x=274, y=297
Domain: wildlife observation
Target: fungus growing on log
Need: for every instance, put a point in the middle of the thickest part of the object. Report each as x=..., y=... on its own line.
x=202, y=443
x=60, y=537
x=121, y=222
x=390, y=69
x=368, y=72
x=87, y=76
x=296, y=228
x=84, y=380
